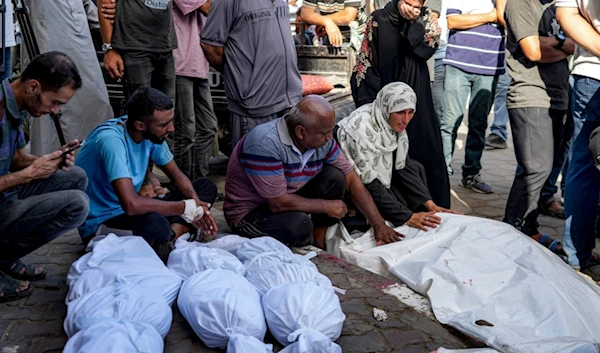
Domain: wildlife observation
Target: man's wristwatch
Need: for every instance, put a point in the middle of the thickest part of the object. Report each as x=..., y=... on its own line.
x=106, y=47
x=561, y=40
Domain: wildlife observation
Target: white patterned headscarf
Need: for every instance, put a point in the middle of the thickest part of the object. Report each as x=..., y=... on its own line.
x=369, y=141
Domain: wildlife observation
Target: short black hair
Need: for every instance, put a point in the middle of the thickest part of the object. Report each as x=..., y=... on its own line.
x=53, y=70
x=144, y=102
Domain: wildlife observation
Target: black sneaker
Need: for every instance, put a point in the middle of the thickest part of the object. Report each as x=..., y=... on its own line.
x=475, y=183
x=450, y=171
x=494, y=141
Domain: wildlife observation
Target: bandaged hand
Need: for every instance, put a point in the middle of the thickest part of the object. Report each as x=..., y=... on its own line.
x=192, y=212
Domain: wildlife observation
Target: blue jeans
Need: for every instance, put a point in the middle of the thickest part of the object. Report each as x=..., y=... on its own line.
x=498, y=127
x=7, y=65
x=583, y=179
x=457, y=85
x=437, y=89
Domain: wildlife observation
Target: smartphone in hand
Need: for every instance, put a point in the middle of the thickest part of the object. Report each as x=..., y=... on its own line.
x=72, y=148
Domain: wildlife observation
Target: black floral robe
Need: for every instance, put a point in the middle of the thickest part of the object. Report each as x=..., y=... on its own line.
x=394, y=49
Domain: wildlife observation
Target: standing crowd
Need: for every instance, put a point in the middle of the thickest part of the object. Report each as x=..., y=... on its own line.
x=294, y=170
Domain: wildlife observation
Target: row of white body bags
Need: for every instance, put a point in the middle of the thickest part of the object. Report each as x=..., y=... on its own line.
x=300, y=305
x=116, y=336
x=123, y=287
x=218, y=302
x=129, y=257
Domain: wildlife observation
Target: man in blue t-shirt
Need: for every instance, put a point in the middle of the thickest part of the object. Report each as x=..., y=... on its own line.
x=115, y=157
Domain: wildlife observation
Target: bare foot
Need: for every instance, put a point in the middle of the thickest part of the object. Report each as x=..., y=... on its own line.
x=179, y=229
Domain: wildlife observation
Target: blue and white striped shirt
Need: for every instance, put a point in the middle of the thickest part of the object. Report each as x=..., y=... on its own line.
x=478, y=50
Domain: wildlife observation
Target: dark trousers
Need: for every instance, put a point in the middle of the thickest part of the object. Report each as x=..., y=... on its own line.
x=296, y=228
x=147, y=69
x=153, y=226
x=241, y=125
x=533, y=135
x=40, y=211
x=563, y=136
x=195, y=126
x=407, y=193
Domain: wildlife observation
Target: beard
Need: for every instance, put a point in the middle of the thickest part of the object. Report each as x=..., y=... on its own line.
x=153, y=138
x=33, y=105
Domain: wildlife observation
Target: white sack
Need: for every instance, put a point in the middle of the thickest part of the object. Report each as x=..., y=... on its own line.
x=261, y=245
x=474, y=350
x=156, y=280
x=229, y=242
x=299, y=309
x=269, y=271
x=116, y=337
x=316, y=342
x=239, y=343
x=188, y=261
x=116, y=251
x=121, y=301
x=219, y=303
x=479, y=269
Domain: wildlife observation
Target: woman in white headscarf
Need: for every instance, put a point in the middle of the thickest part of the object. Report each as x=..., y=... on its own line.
x=375, y=141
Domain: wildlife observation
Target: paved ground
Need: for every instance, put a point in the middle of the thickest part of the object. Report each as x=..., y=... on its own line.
x=35, y=324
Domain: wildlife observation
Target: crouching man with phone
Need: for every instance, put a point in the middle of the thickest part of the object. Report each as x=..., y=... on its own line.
x=40, y=197
x=115, y=157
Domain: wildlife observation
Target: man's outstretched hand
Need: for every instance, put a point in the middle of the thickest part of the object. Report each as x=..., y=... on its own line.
x=385, y=234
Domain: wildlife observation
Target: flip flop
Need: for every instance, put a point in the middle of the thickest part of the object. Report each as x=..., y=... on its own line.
x=28, y=275
x=594, y=261
x=558, y=213
x=9, y=285
x=551, y=244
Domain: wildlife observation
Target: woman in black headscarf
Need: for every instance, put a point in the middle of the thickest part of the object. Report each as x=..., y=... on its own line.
x=398, y=41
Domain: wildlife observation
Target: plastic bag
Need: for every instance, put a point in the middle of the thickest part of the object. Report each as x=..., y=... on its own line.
x=218, y=303
x=269, y=271
x=299, y=309
x=188, y=261
x=256, y=246
x=116, y=336
x=121, y=301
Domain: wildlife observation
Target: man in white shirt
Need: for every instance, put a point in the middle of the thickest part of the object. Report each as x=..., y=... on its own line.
x=580, y=19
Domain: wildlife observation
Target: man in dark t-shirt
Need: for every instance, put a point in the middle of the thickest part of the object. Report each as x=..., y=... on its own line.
x=139, y=44
x=336, y=19
x=537, y=102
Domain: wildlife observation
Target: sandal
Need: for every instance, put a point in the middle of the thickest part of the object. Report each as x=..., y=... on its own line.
x=594, y=261
x=558, y=213
x=9, y=286
x=551, y=244
x=28, y=275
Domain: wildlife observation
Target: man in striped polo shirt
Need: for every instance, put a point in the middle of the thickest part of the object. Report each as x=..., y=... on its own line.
x=333, y=18
x=474, y=60
x=290, y=167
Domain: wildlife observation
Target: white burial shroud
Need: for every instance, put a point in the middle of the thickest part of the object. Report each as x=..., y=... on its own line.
x=489, y=281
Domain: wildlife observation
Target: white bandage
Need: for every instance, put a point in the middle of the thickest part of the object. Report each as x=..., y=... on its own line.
x=192, y=211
